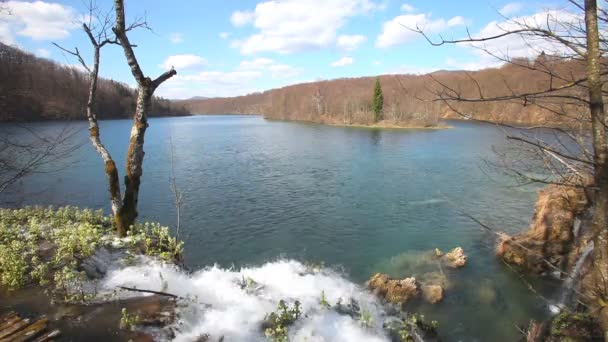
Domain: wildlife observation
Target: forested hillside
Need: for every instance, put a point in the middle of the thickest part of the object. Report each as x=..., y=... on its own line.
x=33, y=88
x=408, y=99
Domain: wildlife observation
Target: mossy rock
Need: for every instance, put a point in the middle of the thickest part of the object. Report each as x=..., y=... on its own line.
x=574, y=327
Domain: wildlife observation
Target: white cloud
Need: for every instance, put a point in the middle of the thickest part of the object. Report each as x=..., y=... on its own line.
x=6, y=34
x=377, y=63
x=276, y=70
x=181, y=62
x=350, y=42
x=241, y=18
x=407, y=8
x=510, y=8
x=76, y=66
x=514, y=45
x=44, y=53
x=37, y=20
x=224, y=35
x=210, y=84
x=241, y=80
x=482, y=63
x=176, y=38
x=413, y=70
x=294, y=25
x=456, y=21
x=399, y=30
x=344, y=61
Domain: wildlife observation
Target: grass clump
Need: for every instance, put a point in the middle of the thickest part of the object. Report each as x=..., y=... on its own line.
x=407, y=328
x=156, y=241
x=277, y=323
x=128, y=321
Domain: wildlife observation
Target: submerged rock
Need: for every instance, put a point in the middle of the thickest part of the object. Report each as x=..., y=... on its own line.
x=432, y=293
x=398, y=291
x=96, y=266
x=351, y=309
x=435, y=278
x=455, y=258
x=486, y=293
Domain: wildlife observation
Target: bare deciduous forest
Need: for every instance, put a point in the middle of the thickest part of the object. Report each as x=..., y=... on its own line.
x=408, y=99
x=33, y=88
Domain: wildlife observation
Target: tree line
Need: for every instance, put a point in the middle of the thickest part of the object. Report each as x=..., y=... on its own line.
x=407, y=99
x=33, y=88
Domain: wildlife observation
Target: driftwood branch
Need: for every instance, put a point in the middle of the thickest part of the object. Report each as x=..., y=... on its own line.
x=160, y=293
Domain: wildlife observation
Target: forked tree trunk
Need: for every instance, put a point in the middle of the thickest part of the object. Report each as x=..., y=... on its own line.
x=135, y=155
x=598, y=120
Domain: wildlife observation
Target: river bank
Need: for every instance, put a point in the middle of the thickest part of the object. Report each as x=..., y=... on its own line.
x=259, y=191
x=67, y=265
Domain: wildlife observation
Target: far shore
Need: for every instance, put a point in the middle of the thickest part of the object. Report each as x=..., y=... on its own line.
x=380, y=125
x=390, y=126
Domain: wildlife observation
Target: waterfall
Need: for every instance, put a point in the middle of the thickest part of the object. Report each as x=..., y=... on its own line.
x=571, y=281
x=576, y=227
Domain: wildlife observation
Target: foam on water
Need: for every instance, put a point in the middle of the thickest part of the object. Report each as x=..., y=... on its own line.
x=220, y=306
x=428, y=201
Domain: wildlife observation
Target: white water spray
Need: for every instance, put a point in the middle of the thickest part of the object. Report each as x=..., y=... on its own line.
x=221, y=306
x=570, y=282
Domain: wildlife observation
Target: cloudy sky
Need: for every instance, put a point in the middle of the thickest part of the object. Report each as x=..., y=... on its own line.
x=227, y=48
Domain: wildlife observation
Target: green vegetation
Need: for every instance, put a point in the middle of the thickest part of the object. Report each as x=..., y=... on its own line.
x=156, y=241
x=575, y=326
x=403, y=330
x=278, y=322
x=46, y=246
x=128, y=321
x=378, y=102
x=366, y=320
x=323, y=302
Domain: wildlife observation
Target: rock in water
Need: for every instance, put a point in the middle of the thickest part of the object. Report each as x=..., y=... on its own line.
x=550, y=235
x=432, y=293
x=398, y=291
x=455, y=258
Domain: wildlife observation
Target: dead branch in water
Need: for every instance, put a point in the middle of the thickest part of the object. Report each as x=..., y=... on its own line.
x=160, y=293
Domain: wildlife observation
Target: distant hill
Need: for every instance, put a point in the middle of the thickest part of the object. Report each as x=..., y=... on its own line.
x=33, y=88
x=409, y=99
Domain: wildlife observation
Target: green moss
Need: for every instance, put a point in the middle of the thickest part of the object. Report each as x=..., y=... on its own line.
x=574, y=326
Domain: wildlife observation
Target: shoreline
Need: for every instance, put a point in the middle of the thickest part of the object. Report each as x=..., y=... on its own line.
x=374, y=126
x=390, y=126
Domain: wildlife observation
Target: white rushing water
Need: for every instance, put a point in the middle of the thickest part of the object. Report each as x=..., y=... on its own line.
x=568, y=288
x=222, y=306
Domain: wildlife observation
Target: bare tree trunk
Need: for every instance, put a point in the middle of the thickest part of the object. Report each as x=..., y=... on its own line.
x=135, y=158
x=598, y=120
x=135, y=154
x=110, y=166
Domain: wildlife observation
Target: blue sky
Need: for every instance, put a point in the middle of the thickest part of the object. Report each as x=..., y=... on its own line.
x=226, y=48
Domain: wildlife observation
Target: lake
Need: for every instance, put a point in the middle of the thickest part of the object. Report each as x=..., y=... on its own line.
x=359, y=200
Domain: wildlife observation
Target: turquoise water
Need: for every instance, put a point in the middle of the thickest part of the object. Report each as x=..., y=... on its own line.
x=353, y=198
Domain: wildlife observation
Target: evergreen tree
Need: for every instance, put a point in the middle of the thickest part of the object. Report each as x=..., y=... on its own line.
x=378, y=102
